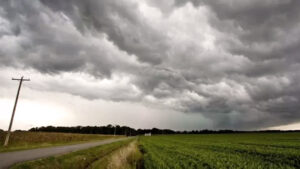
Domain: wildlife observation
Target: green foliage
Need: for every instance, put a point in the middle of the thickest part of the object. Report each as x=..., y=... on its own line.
x=224, y=151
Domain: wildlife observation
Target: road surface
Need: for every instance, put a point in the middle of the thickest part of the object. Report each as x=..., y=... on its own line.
x=9, y=158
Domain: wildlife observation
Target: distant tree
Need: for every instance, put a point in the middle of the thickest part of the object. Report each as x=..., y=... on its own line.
x=125, y=130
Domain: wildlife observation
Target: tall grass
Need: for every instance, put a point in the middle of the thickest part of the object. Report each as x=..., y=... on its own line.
x=126, y=157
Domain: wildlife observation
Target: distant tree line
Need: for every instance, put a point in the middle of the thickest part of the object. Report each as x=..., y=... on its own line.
x=125, y=130
x=109, y=129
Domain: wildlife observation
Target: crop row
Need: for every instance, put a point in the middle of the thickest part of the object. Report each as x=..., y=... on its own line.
x=222, y=151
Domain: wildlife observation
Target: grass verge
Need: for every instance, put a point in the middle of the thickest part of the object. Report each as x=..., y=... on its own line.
x=127, y=157
x=78, y=160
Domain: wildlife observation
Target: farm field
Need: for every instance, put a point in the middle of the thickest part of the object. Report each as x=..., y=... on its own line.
x=254, y=150
x=203, y=151
x=28, y=140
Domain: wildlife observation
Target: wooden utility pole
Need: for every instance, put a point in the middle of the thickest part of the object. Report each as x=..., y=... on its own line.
x=14, y=109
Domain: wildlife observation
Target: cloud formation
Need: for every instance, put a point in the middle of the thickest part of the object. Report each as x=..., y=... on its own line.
x=236, y=62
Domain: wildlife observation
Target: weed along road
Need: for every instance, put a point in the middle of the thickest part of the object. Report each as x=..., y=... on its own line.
x=9, y=158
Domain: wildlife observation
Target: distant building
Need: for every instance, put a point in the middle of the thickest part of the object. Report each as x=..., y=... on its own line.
x=147, y=134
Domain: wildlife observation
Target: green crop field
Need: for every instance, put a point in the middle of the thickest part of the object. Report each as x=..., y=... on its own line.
x=254, y=150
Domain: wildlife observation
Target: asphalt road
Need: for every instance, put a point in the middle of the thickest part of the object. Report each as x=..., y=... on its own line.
x=9, y=158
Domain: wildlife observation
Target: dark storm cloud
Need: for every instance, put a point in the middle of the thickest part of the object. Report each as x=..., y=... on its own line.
x=266, y=29
x=236, y=62
x=48, y=41
x=259, y=30
x=120, y=21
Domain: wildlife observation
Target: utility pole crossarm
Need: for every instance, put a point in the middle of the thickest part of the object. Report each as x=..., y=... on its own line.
x=21, y=79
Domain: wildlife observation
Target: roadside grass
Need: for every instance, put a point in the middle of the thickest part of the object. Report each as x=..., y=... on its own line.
x=21, y=140
x=127, y=157
x=96, y=157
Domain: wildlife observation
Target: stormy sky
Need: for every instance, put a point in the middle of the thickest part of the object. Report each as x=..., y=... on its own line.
x=179, y=64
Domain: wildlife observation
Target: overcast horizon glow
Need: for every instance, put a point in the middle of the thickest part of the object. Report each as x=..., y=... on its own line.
x=178, y=64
